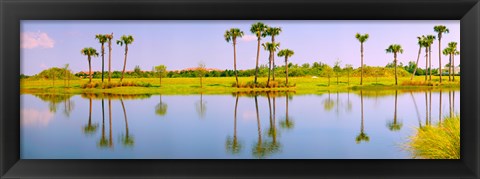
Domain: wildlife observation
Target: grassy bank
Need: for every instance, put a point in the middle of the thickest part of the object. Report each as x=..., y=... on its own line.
x=441, y=141
x=219, y=85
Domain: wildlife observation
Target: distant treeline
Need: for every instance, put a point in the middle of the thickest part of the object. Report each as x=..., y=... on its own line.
x=294, y=70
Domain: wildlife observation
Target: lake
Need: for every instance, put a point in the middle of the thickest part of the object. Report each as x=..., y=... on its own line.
x=331, y=125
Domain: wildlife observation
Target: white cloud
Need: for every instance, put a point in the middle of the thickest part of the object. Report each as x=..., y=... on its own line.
x=34, y=117
x=248, y=38
x=35, y=39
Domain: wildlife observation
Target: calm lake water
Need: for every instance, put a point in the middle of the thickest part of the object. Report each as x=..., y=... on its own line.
x=286, y=126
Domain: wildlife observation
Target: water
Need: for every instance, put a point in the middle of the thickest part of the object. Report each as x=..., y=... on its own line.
x=327, y=126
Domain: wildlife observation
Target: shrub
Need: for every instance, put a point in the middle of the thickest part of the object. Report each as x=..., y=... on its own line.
x=441, y=141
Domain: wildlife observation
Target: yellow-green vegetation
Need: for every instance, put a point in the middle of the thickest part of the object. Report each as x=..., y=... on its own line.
x=441, y=141
x=222, y=85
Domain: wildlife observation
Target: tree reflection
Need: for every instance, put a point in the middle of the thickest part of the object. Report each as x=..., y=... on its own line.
x=90, y=128
x=362, y=136
x=200, y=106
x=54, y=99
x=110, y=141
x=127, y=140
x=328, y=104
x=416, y=109
x=103, y=142
x=394, y=126
x=233, y=145
x=439, y=107
x=68, y=106
x=287, y=123
x=273, y=146
x=161, y=108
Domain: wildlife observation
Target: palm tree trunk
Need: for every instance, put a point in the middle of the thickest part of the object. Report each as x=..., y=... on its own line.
x=90, y=68
x=440, y=56
x=273, y=59
x=201, y=84
x=430, y=62
x=416, y=64
x=124, y=62
x=426, y=63
x=361, y=67
x=395, y=59
x=453, y=66
x=109, y=59
x=269, y=68
x=90, y=114
x=103, y=59
x=286, y=70
x=258, y=56
x=450, y=67
x=235, y=60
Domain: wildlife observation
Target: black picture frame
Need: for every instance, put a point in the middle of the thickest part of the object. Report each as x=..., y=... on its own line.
x=12, y=11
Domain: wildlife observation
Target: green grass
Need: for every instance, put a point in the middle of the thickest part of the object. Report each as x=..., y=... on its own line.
x=222, y=85
x=441, y=141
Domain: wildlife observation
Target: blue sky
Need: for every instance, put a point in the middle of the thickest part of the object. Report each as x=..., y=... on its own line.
x=183, y=44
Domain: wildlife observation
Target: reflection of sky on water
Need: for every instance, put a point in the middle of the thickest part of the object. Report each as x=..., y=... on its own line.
x=320, y=131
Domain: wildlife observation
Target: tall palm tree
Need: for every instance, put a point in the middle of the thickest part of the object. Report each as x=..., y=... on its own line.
x=429, y=40
x=421, y=42
x=362, y=136
x=273, y=31
x=454, y=51
x=231, y=35
x=271, y=47
x=102, y=39
x=89, y=52
x=448, y=52
x=361, y=38
x=286, y=53
x=395, y=49
x=259, y=29
x=109, y=38
x=125, y=40
x=440, y=29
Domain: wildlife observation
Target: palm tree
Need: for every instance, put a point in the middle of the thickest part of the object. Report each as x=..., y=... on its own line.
x=231, y=35
x=362, y=136
x=271, y=47
x=395, y=49
x=286, y=53
x=89, y=52
x=259, y=29
x=273, y=31
x=453, y=46
x=102, y=39
x=394, y=126
x=440, y=29
x=448, y=52
x=429, y=40
x=109, y=38
x=361, y=38
x=125, y=40
x=421, y=42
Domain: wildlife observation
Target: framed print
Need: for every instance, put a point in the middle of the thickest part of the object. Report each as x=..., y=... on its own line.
x=239, y=89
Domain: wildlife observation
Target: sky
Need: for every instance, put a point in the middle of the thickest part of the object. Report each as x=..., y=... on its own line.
x=184, y=44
